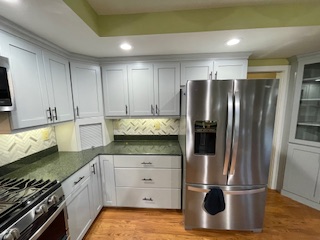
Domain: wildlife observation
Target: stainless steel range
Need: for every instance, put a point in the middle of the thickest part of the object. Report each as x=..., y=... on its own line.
x=32, y=209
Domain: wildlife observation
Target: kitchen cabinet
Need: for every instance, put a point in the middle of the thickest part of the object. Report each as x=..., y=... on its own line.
x=301, y=177
x=108, y=184
x=305, y=123
x=217, y=69
x=29, y=83
x=148, y=181
x=141, y=97
x=230, y=69
x=87, y=90
x=59, y=87
x=95, y=181
x=167, y=89
x=196, y=70
x=77, y=189
x=115, y=90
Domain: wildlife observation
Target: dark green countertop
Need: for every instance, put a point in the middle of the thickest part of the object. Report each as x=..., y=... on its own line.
x=60, y=165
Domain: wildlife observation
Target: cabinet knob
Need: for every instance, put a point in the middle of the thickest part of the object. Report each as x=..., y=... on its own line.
x=146, y=179
x=147, y=199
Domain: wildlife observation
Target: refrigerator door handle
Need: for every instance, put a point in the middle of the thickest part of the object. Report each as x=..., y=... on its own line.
x=229, y=192
x=228, y=134
x=235, y=133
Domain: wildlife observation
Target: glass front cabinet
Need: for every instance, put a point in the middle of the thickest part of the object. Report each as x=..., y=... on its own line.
x=305, y=126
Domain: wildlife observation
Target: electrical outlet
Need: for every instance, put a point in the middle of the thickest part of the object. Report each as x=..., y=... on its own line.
x=157, y=125
x=45, y=134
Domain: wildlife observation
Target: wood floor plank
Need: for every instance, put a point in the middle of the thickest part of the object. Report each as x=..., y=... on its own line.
x=284, y=219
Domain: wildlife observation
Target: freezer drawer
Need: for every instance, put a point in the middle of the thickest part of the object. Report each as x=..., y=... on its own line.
x=244, y=210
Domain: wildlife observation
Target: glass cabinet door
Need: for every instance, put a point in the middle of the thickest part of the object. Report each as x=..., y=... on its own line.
x=308, y=125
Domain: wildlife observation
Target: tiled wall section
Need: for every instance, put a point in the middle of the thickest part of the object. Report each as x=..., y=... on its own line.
x=16, y=146
x=146, y=126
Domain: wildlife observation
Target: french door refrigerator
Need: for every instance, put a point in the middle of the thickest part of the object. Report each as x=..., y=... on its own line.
x=229, y=131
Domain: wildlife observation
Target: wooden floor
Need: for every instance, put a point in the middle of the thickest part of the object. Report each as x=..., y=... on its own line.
x=284, y=219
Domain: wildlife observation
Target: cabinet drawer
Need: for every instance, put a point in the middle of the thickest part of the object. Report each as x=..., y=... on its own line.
x=149, y=178
x=149, y=198
x=147, y=161
x=74, y=181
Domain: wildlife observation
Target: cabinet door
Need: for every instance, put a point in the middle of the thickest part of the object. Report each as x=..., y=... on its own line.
x=302, y=170
x=195, y=70
x=59, y=87
x=115, y=90
x=79, y=212
x=96, y=196
x=108, y=183
x=28, y=83
x=141, y=95
x=230, y=69
x=167, y=89
x=87, y=90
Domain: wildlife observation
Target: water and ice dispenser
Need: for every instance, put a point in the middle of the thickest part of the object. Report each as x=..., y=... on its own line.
x=205, y=137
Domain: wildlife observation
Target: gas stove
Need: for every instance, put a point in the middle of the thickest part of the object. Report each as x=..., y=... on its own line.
x=26, y=207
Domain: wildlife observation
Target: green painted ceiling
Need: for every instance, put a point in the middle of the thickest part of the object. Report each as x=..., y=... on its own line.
x=267, y=16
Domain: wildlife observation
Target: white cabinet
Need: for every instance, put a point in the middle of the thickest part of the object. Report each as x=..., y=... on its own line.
x=230, y=69
x=29, y=83
x=77, y=189
x=141, y=97
x=87, y=90
x=115, y=90
x=216, y=69
x=148, y=181
x=302, y=173
x=167, y=89
x=108, y=184
x=96, y=200
x=59, y=87
x=195, y=70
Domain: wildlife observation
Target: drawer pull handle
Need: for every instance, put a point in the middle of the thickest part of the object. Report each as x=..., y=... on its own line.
x=144, y=163
x=147, y=179
x=147, y=199
x=80, y=178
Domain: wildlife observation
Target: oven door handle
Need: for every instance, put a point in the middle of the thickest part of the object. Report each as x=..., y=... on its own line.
x=38, y=233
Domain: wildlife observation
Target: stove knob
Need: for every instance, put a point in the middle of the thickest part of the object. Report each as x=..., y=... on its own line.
x=53, y=199
x=42, y=209
x=13, y=234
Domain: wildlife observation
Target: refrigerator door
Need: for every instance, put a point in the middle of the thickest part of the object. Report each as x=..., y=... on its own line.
x=209, y=113
x=254, y=113
x=244, y=209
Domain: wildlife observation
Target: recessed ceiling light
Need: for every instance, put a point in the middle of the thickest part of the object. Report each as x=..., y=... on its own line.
x=125, y=46
x=11, y=1
x=233, y=41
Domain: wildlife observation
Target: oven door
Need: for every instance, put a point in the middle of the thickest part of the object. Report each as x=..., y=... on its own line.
x=52, y=225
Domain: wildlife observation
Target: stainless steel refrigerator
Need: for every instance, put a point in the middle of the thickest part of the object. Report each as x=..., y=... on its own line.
x=229, y=131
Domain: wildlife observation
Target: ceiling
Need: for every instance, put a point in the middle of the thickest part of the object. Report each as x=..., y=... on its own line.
x=56, y=22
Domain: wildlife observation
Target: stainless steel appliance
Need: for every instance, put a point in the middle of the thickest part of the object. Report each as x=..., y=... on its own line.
x=32, y=209
x=229, y=130
x=6, y=89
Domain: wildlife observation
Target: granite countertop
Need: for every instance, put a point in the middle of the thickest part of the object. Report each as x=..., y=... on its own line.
x=60, y=165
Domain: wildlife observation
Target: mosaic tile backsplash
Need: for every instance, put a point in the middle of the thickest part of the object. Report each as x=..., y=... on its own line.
x=16, y=146
x=146, y=126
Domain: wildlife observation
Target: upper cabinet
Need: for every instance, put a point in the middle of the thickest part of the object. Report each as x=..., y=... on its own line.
x=305, y=125
x=59, y=87
x=87, y=90
x=29, y=84
x=167, y=89
x=140, y=76
x=216, y=69
x=141, y=89
x=115, y=90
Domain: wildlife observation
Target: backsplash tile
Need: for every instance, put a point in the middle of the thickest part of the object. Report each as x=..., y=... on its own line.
x=16, y=146
x=146, y=126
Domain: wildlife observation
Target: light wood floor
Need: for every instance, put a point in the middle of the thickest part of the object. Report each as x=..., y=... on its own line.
x=284, y=219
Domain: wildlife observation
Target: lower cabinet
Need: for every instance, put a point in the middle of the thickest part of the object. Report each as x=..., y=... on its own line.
x=302, y=175
x=83, y=198
x=143, y=181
